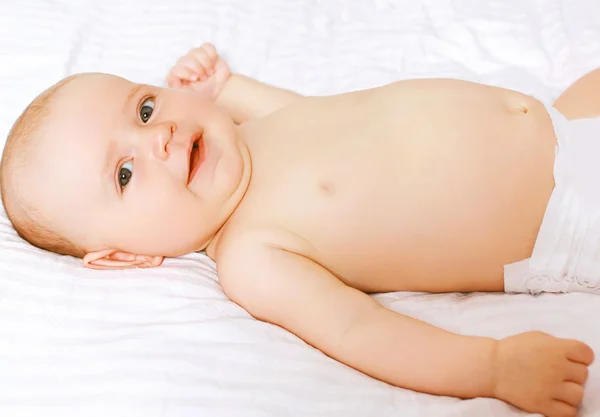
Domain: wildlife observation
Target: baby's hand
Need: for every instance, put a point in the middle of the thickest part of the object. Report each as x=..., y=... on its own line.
x=201, y=70
x=541, y=373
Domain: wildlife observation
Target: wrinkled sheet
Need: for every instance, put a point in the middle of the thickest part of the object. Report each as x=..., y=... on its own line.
x=167, y=342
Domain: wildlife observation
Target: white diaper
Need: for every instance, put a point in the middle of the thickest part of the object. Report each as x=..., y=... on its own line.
x=566, y=255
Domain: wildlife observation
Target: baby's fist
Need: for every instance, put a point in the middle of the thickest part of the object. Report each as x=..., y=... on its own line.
x=541, y=373
x=201, y=70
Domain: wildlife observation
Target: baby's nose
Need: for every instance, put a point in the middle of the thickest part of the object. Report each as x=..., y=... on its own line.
x=162, y=135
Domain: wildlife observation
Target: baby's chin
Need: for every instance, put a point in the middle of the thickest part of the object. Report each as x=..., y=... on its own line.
x=173, y=251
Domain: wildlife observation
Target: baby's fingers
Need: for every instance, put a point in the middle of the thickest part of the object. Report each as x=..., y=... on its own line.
x=180, y=73
x=207, y=60
x=579, y=352
x=210, y=50
x=570, y=393
x=194, y=67
x=577, y=373
x=560, y=409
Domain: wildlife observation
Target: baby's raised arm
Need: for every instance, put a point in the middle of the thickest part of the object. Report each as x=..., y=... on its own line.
x=202, y=70
x=246, y=98
x=533, y=371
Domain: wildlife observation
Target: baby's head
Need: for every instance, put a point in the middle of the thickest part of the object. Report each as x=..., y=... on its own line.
x=121, y=174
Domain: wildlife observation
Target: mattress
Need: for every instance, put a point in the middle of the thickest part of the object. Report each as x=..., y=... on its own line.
x=167, y=342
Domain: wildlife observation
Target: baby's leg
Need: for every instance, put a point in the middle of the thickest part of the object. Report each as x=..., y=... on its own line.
x=582, y=99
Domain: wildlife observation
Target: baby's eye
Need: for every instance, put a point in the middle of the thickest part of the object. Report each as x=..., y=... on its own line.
x=125, y=173
x=146, y=109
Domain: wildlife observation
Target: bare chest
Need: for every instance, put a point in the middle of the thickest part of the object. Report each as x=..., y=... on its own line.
x=377, y=187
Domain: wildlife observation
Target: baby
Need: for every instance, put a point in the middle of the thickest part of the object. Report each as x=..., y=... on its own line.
x=309, y=203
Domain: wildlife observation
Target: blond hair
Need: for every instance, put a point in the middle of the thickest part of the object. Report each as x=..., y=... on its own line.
x=29, y=222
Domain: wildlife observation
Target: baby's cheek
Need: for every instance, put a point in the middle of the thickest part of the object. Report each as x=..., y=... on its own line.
x=170, y=212
x=169, y=221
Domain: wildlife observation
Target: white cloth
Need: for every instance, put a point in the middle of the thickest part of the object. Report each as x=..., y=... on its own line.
x=566, y=255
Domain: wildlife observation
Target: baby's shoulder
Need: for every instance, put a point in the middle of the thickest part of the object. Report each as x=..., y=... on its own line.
x=237, y=242
x=243, y=251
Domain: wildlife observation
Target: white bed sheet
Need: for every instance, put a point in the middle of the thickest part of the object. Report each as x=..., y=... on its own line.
x=167, y=342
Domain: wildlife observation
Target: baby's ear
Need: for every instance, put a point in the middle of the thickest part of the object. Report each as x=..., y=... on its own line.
x=116, y=259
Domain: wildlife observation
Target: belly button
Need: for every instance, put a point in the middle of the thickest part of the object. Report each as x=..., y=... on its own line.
x=326, y=188
x=520, y=110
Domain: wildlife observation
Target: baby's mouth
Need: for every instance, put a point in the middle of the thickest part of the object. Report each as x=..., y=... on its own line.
x=196, y=157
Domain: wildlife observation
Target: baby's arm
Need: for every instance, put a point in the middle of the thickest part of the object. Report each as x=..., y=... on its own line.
x=246, y=98
x=203, y=71
x=292, y=291
x=348, y=325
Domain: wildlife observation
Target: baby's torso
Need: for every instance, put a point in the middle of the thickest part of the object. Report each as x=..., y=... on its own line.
x=426, y=185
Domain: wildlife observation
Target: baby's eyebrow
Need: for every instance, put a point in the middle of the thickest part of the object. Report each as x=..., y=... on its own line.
x=108, y=171
x=134, y=91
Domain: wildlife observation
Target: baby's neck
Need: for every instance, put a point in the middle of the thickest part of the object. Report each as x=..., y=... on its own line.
x=210, y=248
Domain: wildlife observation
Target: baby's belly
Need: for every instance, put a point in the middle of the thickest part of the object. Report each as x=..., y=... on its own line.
x=459, y=192
x=428, y=185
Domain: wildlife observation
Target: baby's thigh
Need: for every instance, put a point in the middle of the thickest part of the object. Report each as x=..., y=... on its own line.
x=582, y=99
